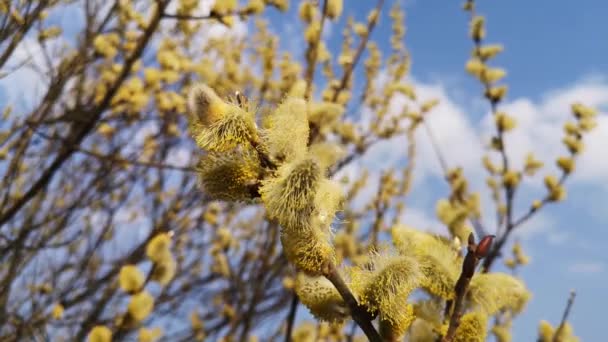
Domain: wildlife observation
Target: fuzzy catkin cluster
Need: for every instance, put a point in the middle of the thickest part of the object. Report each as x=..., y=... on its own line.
x=272, y=162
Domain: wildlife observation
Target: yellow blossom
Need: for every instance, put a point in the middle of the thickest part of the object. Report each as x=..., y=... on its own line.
x=141, y=305
x=334, y=8
x=566, y=164
x=504, y=122
x=149, y=335
x=496, y=94
x=131, y=278
x=157, y=248
x=57, y=312
x=100, y=333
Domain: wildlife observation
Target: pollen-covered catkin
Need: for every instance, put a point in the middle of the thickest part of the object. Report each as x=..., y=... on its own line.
x=289, y=197
x=217, y=125
x=141, y=305
x=309, y=250
x=472, y=328
x=157, y=248
x=320, y=296
x=100, y=333
x=232, y=175
x=385, y=286
x=130, y=278
x=286, y=134
x=492, y=292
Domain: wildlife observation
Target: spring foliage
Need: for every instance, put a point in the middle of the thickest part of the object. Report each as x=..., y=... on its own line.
x=144, y=188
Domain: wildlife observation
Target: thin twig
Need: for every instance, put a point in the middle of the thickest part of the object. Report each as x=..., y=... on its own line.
x=362, y=44
x=565, y=315
x=474, y=254
x=291, y=317
x=312, y=53
x=358, y=312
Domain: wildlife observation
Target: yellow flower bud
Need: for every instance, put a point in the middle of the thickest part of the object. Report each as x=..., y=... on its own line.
x=131, y=279
x=472, y=328
x=496, y=94
x=334, y=8
x=545, y=331
x=204, y=103
x=100, y=333
x=581, y=111
x=164, y=271
x=574, y=144
x=141, y=305
x=475, y=67
x=511, y=178
x=566, y=164
x=320, y=296
x=255, y=6
x=488, y=51
x=492, y=75
x=149, y=335
x=428, y=105
x=504, y=122
x=478, y=31
x=532, y=164
x=157, y=248
x=307, y=11
x=57, y=311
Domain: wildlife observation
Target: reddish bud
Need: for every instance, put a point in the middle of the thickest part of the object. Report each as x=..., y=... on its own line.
x=484, y=246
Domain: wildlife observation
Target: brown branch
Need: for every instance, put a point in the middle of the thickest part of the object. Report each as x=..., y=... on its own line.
x=291, y=317
x=311, y=55
x=362, y=44
x=565, y=316
x=471, y=260
x=212, y=15
x=358, y=312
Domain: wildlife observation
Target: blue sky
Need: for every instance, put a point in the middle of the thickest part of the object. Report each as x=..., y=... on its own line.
x=556, y=52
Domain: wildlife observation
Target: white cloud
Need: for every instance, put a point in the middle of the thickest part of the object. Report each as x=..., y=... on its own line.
x=461, y=140
x=586, y=267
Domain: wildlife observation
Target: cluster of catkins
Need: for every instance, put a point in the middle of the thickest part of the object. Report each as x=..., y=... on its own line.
x=271, y=161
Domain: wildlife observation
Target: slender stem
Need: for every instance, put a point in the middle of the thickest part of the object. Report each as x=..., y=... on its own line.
x=312, y=53
x=474, y=254
x=362, y=44
x=565, y=316
x=358, y=312
x=291, y=317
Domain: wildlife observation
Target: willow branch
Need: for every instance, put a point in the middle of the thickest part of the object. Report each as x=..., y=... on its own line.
x=474, y=254
x=564, y=316
x=358, y=312
x=291, y=317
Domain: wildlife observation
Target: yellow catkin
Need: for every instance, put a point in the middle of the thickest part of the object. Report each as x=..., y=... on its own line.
x=545, y=331
x=164, y=271
x=386, y=286
x=309, y=250
x=100, y=333
x=231, y=176
x=472, y=328
x=492, y=292
x=131, y=278
x=334, y=8
x=438, y=262
x=321, y=297
x=149, y=335
x=141, y=305
x=286, y=136
x=289, y=197
x=217, y=125
x=157, y=248
x=57, y=311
